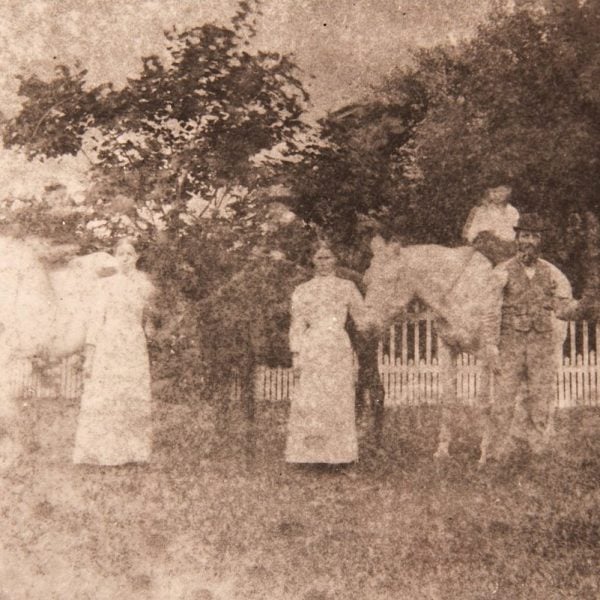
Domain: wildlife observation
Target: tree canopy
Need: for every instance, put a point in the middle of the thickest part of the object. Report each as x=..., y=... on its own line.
x=185, y=154
x=517, y=104
x=182, y=128
x=511, y=105
x=179, y=158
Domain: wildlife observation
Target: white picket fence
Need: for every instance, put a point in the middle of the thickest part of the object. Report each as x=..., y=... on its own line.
x=410, y=368
x=64, y=379
x=578, y=377
x=409, y=365
x=411, y=376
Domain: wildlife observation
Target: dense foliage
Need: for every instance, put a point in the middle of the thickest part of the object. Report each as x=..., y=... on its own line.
x=188, y=153
x=517, y=104
x=178, y=161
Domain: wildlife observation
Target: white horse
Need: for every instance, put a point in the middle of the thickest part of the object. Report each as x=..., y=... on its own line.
x=43, y=307
x=457, y=284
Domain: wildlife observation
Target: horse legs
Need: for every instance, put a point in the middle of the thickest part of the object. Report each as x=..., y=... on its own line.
x=550, y=430
x=447, y=362
x=10, y=445
x=484, y=404
x=11, y=429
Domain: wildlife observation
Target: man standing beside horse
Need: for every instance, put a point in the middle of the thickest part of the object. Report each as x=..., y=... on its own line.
x=529, y=293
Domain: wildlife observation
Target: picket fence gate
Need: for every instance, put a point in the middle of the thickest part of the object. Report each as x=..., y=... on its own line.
x=409, y=364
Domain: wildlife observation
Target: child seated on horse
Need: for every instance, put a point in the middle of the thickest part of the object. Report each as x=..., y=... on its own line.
x=490, y=225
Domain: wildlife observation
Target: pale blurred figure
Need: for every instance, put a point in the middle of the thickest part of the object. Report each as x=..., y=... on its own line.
x=114, y=425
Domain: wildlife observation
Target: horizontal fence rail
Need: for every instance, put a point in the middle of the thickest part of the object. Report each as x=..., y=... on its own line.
x=410, y=366
x=412, y=373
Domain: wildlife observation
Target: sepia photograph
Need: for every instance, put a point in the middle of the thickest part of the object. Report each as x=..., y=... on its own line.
x=299, y=299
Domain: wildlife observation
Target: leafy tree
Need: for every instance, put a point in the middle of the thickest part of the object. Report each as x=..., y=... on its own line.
x=185, y=128
x=175, y=155
x=516, y=104
x=349, y=172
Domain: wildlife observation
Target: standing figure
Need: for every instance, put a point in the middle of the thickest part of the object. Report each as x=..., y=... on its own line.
x=322, y=426
x=529, y=293
x=114, y=425
x=490, y=225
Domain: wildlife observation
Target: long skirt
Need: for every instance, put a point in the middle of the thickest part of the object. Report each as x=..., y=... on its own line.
x=114, y=425
x=322, y=425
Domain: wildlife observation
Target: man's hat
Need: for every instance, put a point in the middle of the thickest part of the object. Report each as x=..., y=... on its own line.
x=531, y=222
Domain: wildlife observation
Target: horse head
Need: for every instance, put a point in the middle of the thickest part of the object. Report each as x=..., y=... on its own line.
x=388, y=287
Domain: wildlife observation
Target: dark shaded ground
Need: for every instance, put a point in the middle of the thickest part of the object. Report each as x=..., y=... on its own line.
x=218, y=515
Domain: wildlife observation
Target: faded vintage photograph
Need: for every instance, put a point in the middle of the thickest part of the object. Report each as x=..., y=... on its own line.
x=299, y=299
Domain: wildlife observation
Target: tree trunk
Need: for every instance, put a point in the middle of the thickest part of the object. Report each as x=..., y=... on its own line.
x=592, y=277
x=369, y=390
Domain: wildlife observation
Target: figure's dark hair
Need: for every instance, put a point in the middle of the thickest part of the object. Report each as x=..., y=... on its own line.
x=125, y=241
x=322, y=243
x=486, y=193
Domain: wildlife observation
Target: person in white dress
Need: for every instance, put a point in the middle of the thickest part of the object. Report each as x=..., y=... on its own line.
x=322, y=426
x=114, y=425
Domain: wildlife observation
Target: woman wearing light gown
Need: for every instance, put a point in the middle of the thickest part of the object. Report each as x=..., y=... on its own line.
x=114, y=425
x=322, y=426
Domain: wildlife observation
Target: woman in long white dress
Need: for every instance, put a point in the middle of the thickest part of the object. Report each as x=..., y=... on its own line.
x=322, y=425
x=114, y=425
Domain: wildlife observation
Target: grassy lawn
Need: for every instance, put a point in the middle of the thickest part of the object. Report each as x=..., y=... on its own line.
x=219, y=515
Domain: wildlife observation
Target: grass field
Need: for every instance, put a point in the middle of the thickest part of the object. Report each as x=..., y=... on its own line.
x=219, y=515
